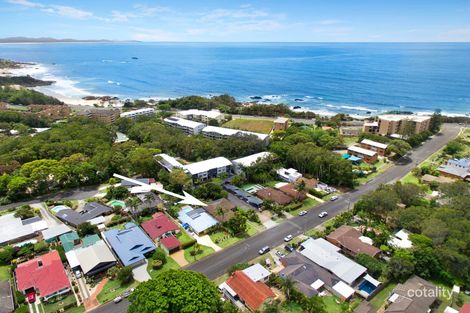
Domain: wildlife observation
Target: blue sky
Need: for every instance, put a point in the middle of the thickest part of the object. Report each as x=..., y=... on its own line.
x=222, y=20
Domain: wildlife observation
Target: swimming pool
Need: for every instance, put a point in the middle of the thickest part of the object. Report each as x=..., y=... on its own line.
x=367, y=287
x=114, y=203
x=58, y=208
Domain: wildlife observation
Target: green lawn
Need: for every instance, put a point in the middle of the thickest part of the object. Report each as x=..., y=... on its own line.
x=381, y=167
x=77, y=309
x=170, y=264
x=308, y=204
x=56, y=306
x=112, y=289
x=4, y=273
x=350, y=140
x=223, y=239
x=291, y=307
x=205, y=252
x=380, y=298
x=184, y=238
x=255, y=125
x=333, y=304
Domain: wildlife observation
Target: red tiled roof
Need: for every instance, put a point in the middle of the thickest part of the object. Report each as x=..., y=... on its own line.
x=253, y=294
x=465, y=308
x=170, y=242
x=48, y=278
x=159, y=225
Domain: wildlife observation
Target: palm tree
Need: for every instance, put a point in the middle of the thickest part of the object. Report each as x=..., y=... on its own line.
x=196, y=249
x=149, y=197
x=133, y=204
x=220, y=212
x=287, y=285
x=301, y=185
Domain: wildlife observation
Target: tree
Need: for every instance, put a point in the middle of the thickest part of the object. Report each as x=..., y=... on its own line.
x=125, y=275
x=160, y=255
x=399, y=147
x=6, y=255
x=300, y=185
x=176, y=291
x=314, y=304
x=374, y=266
x=287, y=286
x=133, y=203
x=219, y=211
x=435, y=122
x=24, y=212
x=401, y=265
x=119, y=193
x=272, y=307
x=237, y=224
x=142, y=161
x=179, y=180
x=86, y=228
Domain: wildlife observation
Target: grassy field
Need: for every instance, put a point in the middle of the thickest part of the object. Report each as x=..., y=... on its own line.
x=254, y=125
x=54, y=307
x=379, y=299
x=184, y=238
x=223, y=239
x=332, y=305
x=291, y=307
x=205, y=252
x=308, y=204
x=77, y=309
x=381, y=166
x=112, y=289
x=4, y=273
x=350, y=140
x=170, y=264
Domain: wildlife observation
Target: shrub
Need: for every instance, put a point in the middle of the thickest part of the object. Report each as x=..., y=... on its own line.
x=159, y=255
x=157, y=264
x=125, y=275
x=20, y=298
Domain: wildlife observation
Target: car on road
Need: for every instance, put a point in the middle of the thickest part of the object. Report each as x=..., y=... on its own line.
x=263, y=250
x=334, y=198
x=31, y=297
x=302, y=213
x=127, y=293
x=288, y=238
x=117, y=299
x=289, y=248
x=323, y=214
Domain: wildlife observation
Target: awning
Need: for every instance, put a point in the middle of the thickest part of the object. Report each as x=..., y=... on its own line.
x=317, y=284
x=372, y=280
x=343, y=289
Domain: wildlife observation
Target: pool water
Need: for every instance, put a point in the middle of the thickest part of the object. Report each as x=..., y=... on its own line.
x=367, y=287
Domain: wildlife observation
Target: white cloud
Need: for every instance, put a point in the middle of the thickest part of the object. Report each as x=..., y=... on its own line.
x=154, y=34
x=60, y=10
x=24, y=3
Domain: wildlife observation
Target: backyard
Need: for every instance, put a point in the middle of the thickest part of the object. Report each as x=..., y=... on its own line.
x=379, y=299
x=254, y=125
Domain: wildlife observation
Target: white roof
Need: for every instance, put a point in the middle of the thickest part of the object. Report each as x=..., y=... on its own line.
x=97, y=220
x=210, y=114
x=343, y=289
x=401, y=240
x=374, y=144
x=182, y=122
x=72, y=258
x=198, y=219
x=256, y=272
x=317, y=284
x=362, y=150
x=232, y=132
x=281, y=120
x=91, y=256
x=227, y=288
x=394, y=297
x=206, y=165
x=450, y=310
x=138, y=112
x=12, y=227
x=169, y=159
x=399, y=117
x=327, y=256
x=55, y=231
x=371, y=123
x=251, y=159
x=366, y=240
x=372, y=280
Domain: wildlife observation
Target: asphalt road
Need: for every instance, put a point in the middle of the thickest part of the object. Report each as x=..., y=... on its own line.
x=218, y=263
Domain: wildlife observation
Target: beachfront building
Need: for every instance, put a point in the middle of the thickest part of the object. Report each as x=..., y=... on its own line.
x=241, y=163
x=44, y=275
x=14, y=229
x=378, y=147
x=210, y=168
x=187, y=126
x=281, y=123
x=201, y=115
x=366, y=155
x=350, y=131
x=107, y=116
x=290, y=175
x=136, y=113
x=456, y=168
x=130, y=244
x=370, y=127
x=390, y=124
x=168, y=162
x=214, y=132
x=198, y=220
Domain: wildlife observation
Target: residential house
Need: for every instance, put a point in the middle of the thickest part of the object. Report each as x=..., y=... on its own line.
x=160, y=226
x=207, y=169
x=243, y=195
x=187, y=126
x=281, y=123
x=148, y=200
x=242, y=290
x=401, y=240
x=44, y=275
x=456, y=168
x=250, y=160
x=130, y=244
x=136, y=113
x=130, y=184
x=257, y=272
x=72, y=241
x=352, y=242
x=350, y=131
x=14, y=229
x=89, y=212
x=91, y=259
x=378, y=147
x=201, y=115
x=366, y=155
x=197, y=219
x=274, y=195
x=419, y=300
x=215, y=132
x=292, y=191
x=290, y=175
x=370, y=127
x=51, y=234
x=221, y=209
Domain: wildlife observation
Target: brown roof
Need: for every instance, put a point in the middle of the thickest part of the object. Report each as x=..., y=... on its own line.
x=290, y=190
x=348, y=237
x=407, y=304
x=225, y=205
x=365, y=307
x=310, y=183
x=253, y=294
x=440, y=179
x=274, y=195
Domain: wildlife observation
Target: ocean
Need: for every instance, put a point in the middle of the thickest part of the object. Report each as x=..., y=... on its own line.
x=354, y=78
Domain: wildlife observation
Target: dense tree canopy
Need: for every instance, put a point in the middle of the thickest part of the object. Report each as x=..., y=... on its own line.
x=176, y=291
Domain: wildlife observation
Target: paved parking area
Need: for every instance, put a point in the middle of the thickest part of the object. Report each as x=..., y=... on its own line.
x=6, y=298
x=140, y=272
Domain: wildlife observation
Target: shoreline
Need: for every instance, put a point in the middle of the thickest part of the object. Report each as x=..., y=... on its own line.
x=66, y=90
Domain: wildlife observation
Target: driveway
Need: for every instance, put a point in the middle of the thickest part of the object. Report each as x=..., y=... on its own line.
x=179, y=258
x=46, y=215
x=6, y=298
x=240, y=203
x=207, y=241
x=140, y=272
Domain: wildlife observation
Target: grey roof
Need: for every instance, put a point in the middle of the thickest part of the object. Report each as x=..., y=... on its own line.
x=130, y=244
x=406, y=304
x=55, y=231
x=90, y=211
x=92, y=256
x=242, y=194
x=13, y=228
x=365, y=307
x=327, y=256
x=155, y=200
x=454, y=170
x=305, y=272
x=127, y=183
x=198, y=219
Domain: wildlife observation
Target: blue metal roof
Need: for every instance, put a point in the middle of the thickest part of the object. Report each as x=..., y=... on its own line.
x=130, y=244
x=198, y=219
